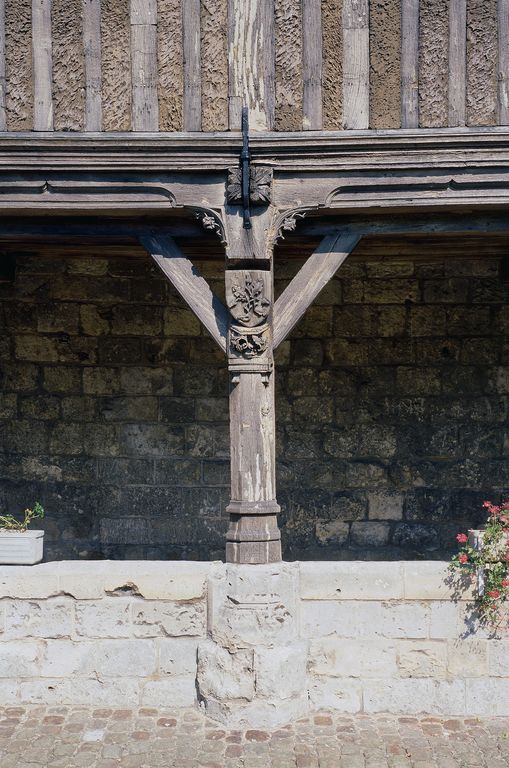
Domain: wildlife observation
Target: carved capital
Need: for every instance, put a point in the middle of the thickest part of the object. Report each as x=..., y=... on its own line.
x=249, y=301
x=260, y=185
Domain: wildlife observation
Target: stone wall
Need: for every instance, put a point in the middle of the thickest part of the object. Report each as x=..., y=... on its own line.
x=391, y=407
x=254, y=645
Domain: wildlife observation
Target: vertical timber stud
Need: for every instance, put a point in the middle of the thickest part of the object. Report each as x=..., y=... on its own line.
x=253, y=535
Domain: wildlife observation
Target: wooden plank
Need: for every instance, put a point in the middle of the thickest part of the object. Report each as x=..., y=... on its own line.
x=251, y=62
x=193, y=288
x=356, y=64
x=503, y=62
x=144, y=74
x=309, y=281
x=410, y=63
x=42, y=65
x=457, y=62
x=312, y=64
x=92, y=47
x=3, y=116
x=192, y=65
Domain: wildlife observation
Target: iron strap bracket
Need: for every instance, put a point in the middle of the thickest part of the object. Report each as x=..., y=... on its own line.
x=245, y=161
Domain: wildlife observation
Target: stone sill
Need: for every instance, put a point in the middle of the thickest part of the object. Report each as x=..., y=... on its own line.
x=187, y=580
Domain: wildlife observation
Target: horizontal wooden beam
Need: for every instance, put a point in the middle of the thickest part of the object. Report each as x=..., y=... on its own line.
x=193, y=288
x=310, y=280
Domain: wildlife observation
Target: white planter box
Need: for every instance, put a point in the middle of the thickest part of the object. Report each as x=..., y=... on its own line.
x=21, y=548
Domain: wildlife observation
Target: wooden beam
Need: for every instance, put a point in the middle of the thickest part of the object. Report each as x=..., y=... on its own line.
x=409, y=63
x=3, y=116
x=307, y=284
x=503, y=62
x=355, y=64
x=42, y=65
x=457, y=62
x=192, y=65
x=193, y=288
x=312, y=64
x=93, y=68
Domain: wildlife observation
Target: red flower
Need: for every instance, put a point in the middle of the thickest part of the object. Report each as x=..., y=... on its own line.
x=503, y=519
x=462, y=538
x=505, y=583
x=505, y=505
x=463, y=559
x=495, y=594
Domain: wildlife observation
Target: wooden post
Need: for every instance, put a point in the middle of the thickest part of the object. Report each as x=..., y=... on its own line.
x=253, y=535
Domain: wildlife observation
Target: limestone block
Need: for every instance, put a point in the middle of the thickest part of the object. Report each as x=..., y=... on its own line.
x=20, y=659
x=398, y=696
x=35, y=582
x=224, y=675
x=498, y=658
x=340, y=657
x=405, y=620
x=430, y=581
x=48, y=619
x=419, y=658
x=385, y=505
x=66, y=658
x=260, y=713
x=445, y=620
x=170, y=619
x=80, y=692
x=341, y=694
x=177, y=691
x=449, y=698
x=280, y=672
x=177, y=656
x=110, y=617
x=254, y=605
x=9, y=692
x=321, y=617
x=487, y=697
x=351, y=581
x=124, y=658
x=2, y=619
x=469, y=658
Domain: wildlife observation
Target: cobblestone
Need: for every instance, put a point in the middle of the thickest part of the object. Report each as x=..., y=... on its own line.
x=78, y=737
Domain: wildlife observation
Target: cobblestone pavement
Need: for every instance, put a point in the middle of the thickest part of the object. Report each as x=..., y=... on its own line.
x=68, y=737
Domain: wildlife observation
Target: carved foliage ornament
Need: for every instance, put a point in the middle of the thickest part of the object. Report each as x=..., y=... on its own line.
x=249, y=305
x=260, y=185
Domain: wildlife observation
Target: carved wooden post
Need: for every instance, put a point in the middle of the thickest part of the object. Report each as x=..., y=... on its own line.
x=253, y=535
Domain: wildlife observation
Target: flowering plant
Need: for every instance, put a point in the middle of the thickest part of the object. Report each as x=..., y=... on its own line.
x=487, y=556
x=10, y=523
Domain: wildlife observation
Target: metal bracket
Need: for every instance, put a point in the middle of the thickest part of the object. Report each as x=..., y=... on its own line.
x=245, y=160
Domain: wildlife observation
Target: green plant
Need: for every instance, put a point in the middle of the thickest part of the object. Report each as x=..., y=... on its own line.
x=10, y=523
x=488, y=559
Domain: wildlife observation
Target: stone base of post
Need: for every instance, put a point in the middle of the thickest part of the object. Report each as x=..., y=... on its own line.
x=253, y=536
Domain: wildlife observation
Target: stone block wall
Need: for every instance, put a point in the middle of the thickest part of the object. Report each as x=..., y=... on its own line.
x=391, y=408
x=254, y=645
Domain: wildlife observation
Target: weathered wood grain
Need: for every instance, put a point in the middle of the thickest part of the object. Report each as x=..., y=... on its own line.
x=503, y=61
x=116, y=65
x=457, y=62
x=433, y=62
x=385, y=63
x=189, y=283
x=145, y=108
x=251, y=62
x=355, y=64
x=289, y=32
x=214, y=65
x=309, y=281
x=482, y=62
x=312, y=64
x=170, y=64
x=68, y=65
x=3, y=117
x=409, y=63
x=332, y=64
x=42, y=65
x=93, y=65
x=192, y=65
x=19, y=97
